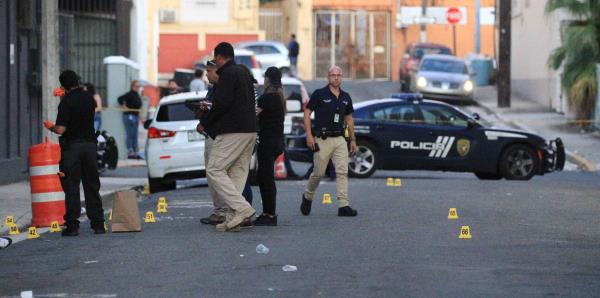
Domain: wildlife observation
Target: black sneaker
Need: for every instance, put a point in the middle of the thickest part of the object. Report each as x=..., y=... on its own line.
x=247, y=223
x=306, y=205
x=70, y=231
x=213, y=219
x=265, y=220
x=347, y=211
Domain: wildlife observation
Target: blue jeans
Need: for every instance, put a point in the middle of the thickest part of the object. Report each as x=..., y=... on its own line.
x=131, y=130
x=97, y=121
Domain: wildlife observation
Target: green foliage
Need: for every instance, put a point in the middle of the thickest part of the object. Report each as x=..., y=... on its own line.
x=579, y=53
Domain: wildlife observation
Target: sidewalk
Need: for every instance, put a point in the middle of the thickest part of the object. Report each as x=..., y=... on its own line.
x=581, y=146
x=15, y=199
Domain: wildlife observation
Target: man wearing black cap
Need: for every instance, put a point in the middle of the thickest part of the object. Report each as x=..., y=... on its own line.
x=232, y=118
x=75, y=124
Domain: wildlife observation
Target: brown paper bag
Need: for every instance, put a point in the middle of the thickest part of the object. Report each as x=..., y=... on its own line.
x=125, y=213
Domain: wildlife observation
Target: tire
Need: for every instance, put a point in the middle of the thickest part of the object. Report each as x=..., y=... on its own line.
x=367, y=157
x=518, y=162
x=488, y=176
x=160, y=184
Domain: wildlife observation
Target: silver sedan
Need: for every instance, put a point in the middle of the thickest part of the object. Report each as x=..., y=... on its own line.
x=443, y=77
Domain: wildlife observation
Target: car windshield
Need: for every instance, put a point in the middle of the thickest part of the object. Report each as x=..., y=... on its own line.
x=420, y=52
x=246, y=60
x=176, y=112
x=440, y=65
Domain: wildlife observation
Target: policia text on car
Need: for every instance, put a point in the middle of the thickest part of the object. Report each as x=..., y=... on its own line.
x=75, y=124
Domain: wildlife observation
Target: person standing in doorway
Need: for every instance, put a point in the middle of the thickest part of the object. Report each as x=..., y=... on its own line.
x=271, y=114
x=75, y=124
x=89, y=87
x=293, y=51
x=131, y=102
x=233, y=117
x=333, y=108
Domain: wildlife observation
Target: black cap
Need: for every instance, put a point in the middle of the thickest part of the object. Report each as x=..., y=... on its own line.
x=274, y=75
x=69, y=79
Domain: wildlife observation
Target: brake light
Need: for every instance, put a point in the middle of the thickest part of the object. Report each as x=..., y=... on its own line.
x=255, y=62
x=155, y=133
x=540, y=154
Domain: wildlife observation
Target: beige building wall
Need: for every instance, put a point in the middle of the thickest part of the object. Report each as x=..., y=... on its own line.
x=534, y=36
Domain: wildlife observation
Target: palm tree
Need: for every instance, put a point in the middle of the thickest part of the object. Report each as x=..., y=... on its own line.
x=578, y=54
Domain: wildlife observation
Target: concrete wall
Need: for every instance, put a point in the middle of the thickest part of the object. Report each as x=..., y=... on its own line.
x=534, y=36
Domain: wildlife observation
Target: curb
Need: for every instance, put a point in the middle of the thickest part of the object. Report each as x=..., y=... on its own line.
x=105, y=199
x=581, y=162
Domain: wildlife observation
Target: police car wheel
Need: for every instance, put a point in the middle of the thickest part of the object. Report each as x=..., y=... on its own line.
x=518, y=163
x=160, y=184
x=363, y=163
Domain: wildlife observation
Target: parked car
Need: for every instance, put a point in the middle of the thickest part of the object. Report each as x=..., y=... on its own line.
x=242, y=56
x=268, y=53
x=174, y=149
x=406, y=132
x=413, y=53
x=443, y=77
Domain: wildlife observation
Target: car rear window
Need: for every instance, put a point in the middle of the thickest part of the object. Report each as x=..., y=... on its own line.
x=290, y=91
x=176, y=112
x=246, y=60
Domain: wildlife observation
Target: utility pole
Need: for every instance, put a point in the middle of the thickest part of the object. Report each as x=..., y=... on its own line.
x=477, y=26
x=504, y=54
x=423, y=34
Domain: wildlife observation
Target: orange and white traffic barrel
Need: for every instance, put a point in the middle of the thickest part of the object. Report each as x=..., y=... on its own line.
x=47, y=196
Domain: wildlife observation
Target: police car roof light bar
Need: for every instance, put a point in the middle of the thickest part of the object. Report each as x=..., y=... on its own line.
x=408, y=96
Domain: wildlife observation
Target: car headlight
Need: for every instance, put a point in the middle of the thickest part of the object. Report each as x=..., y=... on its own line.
x=421, y=82
x=468, y=86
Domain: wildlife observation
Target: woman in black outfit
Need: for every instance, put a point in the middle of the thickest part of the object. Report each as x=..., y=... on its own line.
x=271, y=112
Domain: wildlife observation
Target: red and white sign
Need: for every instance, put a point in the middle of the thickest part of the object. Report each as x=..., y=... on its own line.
x=453, y=15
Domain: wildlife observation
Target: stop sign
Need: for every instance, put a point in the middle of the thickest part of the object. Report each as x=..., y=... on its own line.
x=453, y=15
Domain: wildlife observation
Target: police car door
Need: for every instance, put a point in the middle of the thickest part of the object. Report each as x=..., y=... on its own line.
x=398, y=128
x=452, y=139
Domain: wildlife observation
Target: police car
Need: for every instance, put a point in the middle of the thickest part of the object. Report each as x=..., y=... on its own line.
x=406, y=132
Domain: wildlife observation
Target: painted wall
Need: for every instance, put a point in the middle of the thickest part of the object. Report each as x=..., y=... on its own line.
x=534, y=36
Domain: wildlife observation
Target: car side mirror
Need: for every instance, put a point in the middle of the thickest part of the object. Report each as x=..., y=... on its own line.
x=471, y=123
x=147, y=123
x=473, y=73
x=476, y=116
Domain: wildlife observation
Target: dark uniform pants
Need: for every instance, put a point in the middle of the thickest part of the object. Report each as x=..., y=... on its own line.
x=268, y=150
x=78, y=163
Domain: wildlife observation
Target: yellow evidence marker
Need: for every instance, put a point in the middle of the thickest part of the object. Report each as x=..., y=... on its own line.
x=398, y=182
x=146, y=189
x=10, y=220
x=465, y=232
x=54, y=227
x=452, y=214
x=390, y=181
x=32, y=233
x=13, y=230
x=163, y=200
x=150, y=217
x=326, y=198
x=162, y=208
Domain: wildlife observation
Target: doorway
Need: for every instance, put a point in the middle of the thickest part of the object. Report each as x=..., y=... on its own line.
x=356, y=41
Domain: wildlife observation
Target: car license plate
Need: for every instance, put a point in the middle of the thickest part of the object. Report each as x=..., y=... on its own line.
x=445, y=85
x=194, y=136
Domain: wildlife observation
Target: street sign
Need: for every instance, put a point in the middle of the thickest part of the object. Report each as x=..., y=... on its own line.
x=453, y=15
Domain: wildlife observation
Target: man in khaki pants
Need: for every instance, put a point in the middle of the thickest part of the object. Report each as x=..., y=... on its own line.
x=333, y=108
x=233, y=123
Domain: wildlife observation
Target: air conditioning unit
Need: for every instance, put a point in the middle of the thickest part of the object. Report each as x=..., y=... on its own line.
x=167, y=15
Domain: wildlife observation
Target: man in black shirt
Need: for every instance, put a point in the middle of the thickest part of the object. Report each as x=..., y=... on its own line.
x=75, y=124
x=131, y=102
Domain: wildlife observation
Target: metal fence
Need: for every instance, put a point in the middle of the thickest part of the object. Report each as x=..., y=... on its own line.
x=271, y=21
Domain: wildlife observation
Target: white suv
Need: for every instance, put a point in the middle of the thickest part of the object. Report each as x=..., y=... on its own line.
x=174, y=149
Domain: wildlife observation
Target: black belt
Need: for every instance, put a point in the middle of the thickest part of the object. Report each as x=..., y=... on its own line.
x=330, y=134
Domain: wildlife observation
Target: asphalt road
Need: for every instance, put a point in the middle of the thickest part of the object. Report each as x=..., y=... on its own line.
x=536, y=238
